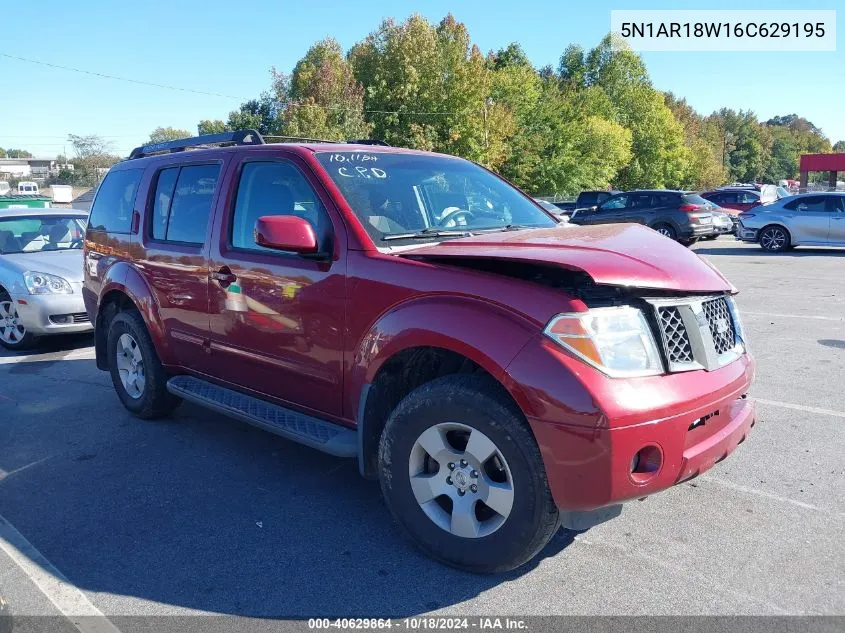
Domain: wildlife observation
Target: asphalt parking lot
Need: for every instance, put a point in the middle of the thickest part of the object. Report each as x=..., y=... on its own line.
x=202, y=514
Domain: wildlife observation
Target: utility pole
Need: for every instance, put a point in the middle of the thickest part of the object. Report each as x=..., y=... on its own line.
x=487, y=102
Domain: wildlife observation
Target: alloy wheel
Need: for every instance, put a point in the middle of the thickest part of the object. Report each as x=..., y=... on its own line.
x=12, y=330
x=461, y=480
x=130, y=366
x=773, y=239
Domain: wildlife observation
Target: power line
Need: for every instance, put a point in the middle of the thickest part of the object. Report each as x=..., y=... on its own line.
x=286, y=105
x=115, y=77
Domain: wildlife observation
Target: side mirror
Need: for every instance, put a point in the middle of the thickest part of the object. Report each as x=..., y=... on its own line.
x=286, y=233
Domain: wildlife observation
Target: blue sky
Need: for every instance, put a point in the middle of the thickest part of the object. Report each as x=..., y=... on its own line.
x=228, y=48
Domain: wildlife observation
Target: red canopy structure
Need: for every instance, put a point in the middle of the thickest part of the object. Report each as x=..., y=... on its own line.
x=821, y=162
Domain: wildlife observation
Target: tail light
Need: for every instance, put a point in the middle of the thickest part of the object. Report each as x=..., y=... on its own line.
x=690, y=208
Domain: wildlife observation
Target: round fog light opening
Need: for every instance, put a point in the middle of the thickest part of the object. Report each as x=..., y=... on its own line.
x=646, y=463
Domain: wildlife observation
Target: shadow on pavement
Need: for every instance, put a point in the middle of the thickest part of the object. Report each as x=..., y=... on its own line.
x=203, y=512
x=754, y=249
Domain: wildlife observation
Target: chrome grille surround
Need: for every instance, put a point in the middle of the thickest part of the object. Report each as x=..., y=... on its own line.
x=697, y=332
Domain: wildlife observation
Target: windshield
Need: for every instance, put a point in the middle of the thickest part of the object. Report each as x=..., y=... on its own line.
x=29, y=234
x=411, y=197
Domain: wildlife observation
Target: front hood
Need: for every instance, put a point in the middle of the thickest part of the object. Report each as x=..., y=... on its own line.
x=66, y=264
x=612, y=254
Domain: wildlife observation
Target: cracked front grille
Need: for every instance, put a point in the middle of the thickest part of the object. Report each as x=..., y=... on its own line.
x=675, y=337
x=720, y=323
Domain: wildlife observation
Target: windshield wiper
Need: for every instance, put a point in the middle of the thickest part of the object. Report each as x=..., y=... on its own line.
x=425, y=233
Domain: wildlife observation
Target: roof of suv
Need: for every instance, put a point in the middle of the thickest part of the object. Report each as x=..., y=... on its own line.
x=216, y=144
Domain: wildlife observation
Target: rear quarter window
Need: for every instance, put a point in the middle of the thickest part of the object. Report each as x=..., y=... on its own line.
x=115, y=201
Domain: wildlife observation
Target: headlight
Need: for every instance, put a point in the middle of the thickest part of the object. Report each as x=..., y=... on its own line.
x=740, y=331
x=618, y=341
x=44, y=284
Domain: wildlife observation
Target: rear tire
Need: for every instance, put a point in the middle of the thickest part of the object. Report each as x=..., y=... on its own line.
x=775, y=239
x=448, y=518
x=667, y=231
x=13, y=335
x=136, y=371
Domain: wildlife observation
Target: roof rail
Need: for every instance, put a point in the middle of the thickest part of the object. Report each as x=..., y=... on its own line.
x=368, y=141
x=308, y=139
x=239, y=137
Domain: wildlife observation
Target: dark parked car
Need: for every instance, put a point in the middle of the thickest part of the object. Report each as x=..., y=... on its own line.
x=500, y=374
x=585, y=200
x=681, y=216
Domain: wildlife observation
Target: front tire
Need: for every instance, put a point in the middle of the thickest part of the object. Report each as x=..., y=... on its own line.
x=461, y=472
x=13, y=335
x=136, y=371
x=775, y=239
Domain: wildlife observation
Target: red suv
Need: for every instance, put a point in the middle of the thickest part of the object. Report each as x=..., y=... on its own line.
x=500, y=374
x=734, y=200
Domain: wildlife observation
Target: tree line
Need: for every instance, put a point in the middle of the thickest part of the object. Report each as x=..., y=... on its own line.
x=595, y=121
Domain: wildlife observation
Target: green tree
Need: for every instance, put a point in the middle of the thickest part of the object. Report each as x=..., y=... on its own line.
x=706, y=170
x=17, y=153
x=162, y=134
x=2, y=153
x=783, y=160
x=659, y=156
x=323, y=99
x=559, y=143
x=215, y=126
x=262, y=114
x=426, y=87
x=839, y=146
x=93, y=156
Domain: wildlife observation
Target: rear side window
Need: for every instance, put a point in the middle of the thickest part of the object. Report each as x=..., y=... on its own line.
x=747, y=197
x=694, y=198
x=664, y=199
x=182, y=203
x=807, y=204
x=589, y=198
x=161, y=203
x=640, y=201
x=115, y=201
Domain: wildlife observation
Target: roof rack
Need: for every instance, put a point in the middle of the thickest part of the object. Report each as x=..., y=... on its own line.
x=240, y=137
x=308, y=139
x=368, y=141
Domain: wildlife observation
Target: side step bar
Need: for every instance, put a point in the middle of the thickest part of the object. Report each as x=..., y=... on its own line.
x=324, y=436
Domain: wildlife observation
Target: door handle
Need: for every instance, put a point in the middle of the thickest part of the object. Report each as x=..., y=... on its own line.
x=224, y=276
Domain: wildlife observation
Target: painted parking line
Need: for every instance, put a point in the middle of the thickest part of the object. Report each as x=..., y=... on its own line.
x=800, y=407
x=768, y=495
x=69, y=600
x=81, y=354
x=793, y=316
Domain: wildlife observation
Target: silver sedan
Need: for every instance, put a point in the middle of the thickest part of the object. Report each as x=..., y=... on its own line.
x=816, y=219
x=40, y=275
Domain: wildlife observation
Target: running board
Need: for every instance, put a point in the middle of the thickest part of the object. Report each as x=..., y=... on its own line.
x=324, y=436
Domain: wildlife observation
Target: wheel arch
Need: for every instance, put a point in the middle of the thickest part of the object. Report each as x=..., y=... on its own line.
x=126, y=289
x=420, y=340
x=399, y=375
